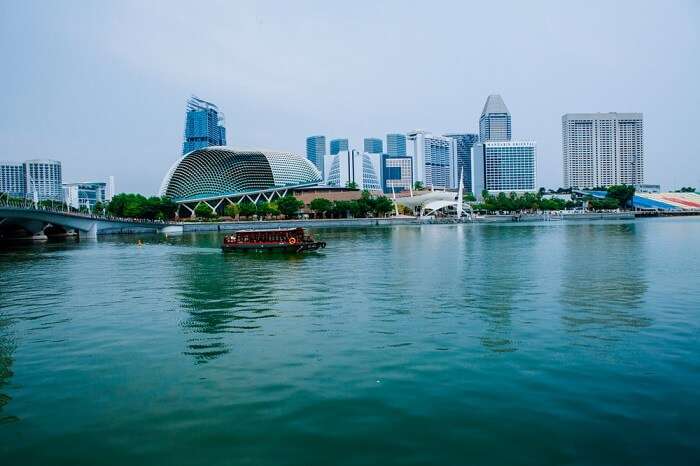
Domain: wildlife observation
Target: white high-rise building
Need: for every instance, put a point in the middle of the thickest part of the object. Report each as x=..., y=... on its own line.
x=434, y=160
x=348, y=166
x=602, y=149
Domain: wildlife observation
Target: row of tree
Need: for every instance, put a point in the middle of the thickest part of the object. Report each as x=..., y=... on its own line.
x=138, y=206
x=514, y=203
x=289, y=206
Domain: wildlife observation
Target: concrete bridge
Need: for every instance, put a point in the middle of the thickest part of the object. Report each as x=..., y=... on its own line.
x=37, y=221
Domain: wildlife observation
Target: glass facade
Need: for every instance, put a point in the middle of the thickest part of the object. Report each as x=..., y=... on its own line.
x=338, y=145
x=397, y=173
x=85, y=194
x=352, y=166
x=316, y=150
x=44, y=177
x=12, y=179
x=504, y=166
x=374, y=146
x=465, y=142
x=396, y=145
x=494, y=124
x=203, y=126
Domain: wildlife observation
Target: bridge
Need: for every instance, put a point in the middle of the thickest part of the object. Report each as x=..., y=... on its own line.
x=37, y=221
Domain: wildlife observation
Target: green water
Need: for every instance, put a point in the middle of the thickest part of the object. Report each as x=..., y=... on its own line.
x=472, y=344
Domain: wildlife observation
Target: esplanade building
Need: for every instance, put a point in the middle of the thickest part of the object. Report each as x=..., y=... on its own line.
x=220, y=175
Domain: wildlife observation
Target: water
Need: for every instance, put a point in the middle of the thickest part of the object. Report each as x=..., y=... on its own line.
x=472, y=344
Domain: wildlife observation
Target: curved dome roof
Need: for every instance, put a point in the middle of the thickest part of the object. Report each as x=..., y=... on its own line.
x=219, y=171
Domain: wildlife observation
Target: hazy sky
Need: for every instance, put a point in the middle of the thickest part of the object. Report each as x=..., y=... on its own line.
x=102, y=86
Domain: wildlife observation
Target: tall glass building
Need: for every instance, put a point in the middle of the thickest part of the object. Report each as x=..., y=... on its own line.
x=504, y=166
x=396, y=145
x=316, y=150
x=13, y=179
x=374, y=146
x=44, y=178
x=203, y=125
x=434, y=160
x=465, y=142
x=494, y=124
x=338, y=145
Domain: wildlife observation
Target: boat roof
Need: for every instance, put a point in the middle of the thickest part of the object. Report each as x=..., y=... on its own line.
x=270, y=230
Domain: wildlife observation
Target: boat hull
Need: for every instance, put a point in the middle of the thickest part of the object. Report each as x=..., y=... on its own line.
x=282, y=247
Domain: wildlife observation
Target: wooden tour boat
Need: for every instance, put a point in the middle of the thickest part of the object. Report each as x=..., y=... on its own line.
x=284, y=240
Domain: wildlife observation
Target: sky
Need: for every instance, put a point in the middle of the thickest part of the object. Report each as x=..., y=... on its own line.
x=102, y=86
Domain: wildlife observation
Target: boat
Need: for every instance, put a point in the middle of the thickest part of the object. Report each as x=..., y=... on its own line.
x=282, y=240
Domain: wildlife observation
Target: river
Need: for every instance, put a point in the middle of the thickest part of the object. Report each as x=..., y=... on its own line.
x=537, y=344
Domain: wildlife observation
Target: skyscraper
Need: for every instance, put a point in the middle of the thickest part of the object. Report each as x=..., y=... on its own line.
x=434, y=160
x=203, y=125
x=316, y=150
x=602, y=149
x=494, y=124
x=504, y=166
x=338, y=145
x=12, y=179
x=44, y=178
x=351, y=166
x=396, y=145
x=374, y=145
x=465, y=142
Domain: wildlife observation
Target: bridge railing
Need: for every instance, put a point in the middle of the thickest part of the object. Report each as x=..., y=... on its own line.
x=25, y=204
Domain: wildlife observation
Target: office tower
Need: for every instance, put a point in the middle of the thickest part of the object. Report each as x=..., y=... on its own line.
x=504, y=166
x=434, y=160
x=465, y=142
x=396, y=145
x=374, y=146
x=494, y=124
x=397, y=173
x=12, y=179
x=86, y=194
x=203, y=125
x=352, y=166
x=316, y=150
x=602, y=149
x=338, y=145
x=44, y=178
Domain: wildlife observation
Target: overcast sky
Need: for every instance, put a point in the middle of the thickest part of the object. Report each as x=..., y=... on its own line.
x=102, y=86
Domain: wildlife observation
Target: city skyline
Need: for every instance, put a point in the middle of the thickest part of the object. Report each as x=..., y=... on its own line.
x=116, y=67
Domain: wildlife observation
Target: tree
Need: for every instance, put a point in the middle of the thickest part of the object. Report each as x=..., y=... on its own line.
x=274, y=208
x=469, y=197
x=232, y=210
x=383, y=205
x=264, y=209
x=247, y=209
x=98, y=208
x=686, y=189
x=607, y=203
x=203, y=211
x=289, y=205
x=342, y=208
x=321, y=206
x=418, y=186
x=351, y=185
x=623, y=193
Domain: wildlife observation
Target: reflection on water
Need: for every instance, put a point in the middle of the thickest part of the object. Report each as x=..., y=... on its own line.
x=603, y=280
x=503, y=261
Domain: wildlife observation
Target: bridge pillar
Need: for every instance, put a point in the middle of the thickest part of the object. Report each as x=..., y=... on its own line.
x=90, y=233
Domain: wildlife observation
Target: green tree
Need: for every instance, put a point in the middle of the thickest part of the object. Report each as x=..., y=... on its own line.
x=232, y=210
x=351, y=185
x=418, y=186
x=247, y=209
x=264, y=209
x=382, y=206
x=289, y=205
x=99, y=208
x=203, y=211
x=274, y=208
x=342, y=208
x=686, y=189
x=469, y=197
x=321, y=206
x=607, y=203
x=623, y=193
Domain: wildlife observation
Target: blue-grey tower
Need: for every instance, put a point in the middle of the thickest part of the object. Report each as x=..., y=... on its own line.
x=396, y=145
x=494, y=124
x=316, y=151
x=338, y=145
x=465, y=142
x=204, y=125
x=374, y=145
